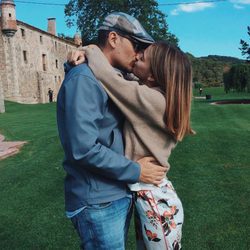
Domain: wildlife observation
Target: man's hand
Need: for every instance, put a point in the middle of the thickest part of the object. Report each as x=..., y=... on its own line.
x=151, y=172
x=76, y=57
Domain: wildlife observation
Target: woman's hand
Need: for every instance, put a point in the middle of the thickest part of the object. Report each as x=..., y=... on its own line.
x=76, y=57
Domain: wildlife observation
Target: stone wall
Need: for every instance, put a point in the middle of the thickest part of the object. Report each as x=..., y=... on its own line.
x=2, y=74
x=10, y=84
x=2, y=106
x=33, y=63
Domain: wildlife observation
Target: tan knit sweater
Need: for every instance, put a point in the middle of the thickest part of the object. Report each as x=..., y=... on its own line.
x=144, y=108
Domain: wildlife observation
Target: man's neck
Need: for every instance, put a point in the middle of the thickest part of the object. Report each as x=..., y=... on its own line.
x=108, y=54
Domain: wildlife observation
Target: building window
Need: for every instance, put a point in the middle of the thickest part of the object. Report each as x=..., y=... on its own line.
x=57, y=64
x=44, y=62
x=9, y=14
x=55, y=45
x=23, y=32
x=55, y=79
x=25, y=56
x=41, y=39
x=59, y=79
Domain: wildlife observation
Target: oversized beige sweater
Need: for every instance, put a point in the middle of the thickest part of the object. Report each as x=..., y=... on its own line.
x=144, y=108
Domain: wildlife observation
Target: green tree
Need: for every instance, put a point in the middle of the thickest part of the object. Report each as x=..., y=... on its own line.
x=88, y=14
x=245, y=47
x=62, y=35
x=238, y=78
x=207, y=71
x=227, y=81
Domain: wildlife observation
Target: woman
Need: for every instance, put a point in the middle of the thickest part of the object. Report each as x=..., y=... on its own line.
x=157, y=117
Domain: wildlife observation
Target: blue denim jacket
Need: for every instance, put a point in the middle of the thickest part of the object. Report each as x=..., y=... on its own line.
x=90, y=128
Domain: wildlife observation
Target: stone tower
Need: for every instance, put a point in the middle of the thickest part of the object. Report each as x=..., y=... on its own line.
x=8, y=28
x=8, y=18
x=8, y=51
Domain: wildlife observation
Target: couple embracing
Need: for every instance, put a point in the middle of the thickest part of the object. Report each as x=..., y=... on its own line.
x=118, y=130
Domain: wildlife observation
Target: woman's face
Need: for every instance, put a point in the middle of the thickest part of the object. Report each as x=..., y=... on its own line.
x=141, y=68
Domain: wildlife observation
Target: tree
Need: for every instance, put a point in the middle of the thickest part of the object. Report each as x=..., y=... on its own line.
x=238, y=78
x=88, y=14
x=227, y=81
x=62, y=35
x=245, y=47
x=207, y=71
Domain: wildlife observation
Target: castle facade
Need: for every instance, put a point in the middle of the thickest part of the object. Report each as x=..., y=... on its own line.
x=31, y=60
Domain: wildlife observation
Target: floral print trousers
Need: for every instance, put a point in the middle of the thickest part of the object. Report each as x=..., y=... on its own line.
x=158, y=218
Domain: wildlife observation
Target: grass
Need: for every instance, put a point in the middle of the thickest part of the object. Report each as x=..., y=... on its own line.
x=210, y=171
x=31, y=183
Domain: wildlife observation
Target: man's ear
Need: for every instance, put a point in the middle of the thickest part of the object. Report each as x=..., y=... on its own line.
x=113, y=39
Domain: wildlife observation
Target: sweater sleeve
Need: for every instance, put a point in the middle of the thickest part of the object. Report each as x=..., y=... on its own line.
x=135, y=101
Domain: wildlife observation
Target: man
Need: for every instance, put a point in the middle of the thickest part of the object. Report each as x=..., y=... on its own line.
x=50, y=94
x=90, y=128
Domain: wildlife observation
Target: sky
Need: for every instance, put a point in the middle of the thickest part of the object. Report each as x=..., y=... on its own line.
x=202, y=27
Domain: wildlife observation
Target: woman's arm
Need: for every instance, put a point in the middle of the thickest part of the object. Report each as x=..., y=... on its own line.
x=133, y=100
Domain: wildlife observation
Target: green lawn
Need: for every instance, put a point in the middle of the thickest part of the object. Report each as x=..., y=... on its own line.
x=210, y=171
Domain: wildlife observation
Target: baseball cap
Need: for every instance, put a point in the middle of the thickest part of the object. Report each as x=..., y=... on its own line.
x=126, y=25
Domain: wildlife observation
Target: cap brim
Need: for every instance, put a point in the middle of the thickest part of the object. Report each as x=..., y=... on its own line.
x=143, y=40
x=139, y=39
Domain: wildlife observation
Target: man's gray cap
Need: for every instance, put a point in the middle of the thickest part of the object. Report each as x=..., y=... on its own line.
x=127, y=25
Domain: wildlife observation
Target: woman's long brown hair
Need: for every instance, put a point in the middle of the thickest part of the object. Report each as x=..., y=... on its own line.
x=172, y=70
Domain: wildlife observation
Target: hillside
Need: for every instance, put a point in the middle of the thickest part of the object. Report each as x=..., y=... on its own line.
x=226, y=59
x=209, y=70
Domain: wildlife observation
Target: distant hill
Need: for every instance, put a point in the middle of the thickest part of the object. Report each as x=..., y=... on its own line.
x=209, y=70
x=228, y=59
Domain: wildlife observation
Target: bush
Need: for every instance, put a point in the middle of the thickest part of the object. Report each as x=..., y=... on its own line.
x=198, y=85
x=238, y=78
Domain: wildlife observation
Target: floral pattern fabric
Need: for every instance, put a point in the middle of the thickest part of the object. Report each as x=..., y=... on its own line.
x=159, y=218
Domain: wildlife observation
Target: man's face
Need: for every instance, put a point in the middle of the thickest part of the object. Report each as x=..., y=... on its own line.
x=125, y=55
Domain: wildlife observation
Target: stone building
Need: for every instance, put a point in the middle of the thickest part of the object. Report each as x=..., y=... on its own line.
x=31, y=60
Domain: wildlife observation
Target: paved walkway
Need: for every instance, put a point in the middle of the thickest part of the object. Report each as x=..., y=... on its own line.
x=8, y=148
x=200, y=97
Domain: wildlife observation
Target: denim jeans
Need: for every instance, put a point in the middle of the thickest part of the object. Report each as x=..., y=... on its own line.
x=104, y=226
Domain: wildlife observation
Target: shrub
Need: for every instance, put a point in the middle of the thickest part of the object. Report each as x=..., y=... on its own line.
x=237, y=78
x=198, y=85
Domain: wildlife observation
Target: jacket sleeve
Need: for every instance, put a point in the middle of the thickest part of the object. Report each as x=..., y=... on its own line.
x=134, y=100
x=83, y=107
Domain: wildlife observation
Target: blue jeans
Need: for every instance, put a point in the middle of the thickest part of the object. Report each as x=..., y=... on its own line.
x=104, y=226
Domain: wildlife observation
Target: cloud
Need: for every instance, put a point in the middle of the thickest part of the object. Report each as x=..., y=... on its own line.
x=239, y=4
x=240, y=1
x=194, y=7
x=174, y=12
